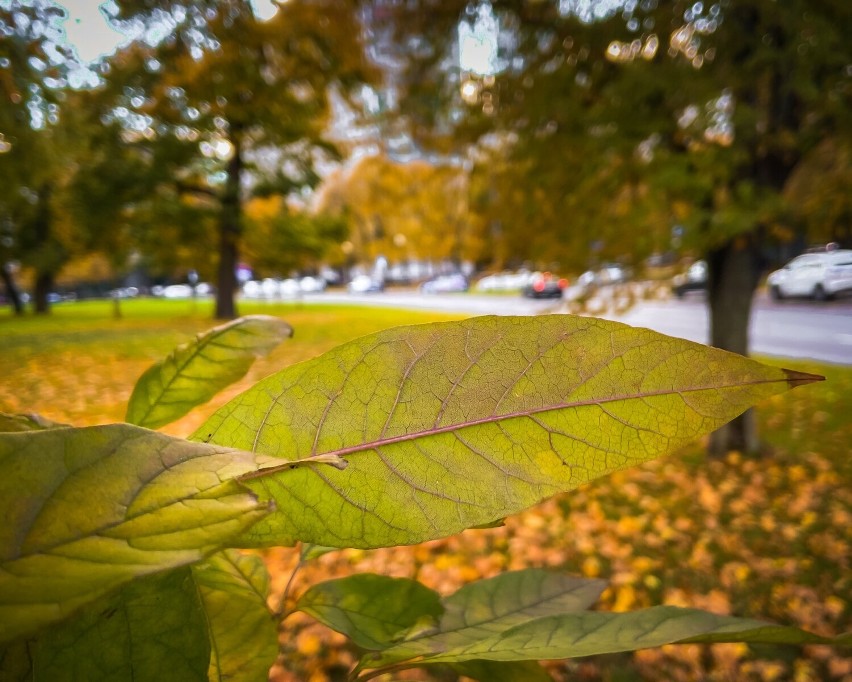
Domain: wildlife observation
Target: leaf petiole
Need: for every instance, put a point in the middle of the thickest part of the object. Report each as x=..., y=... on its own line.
x=332, y=460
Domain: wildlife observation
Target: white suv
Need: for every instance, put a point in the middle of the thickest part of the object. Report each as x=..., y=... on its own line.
x=817, y=275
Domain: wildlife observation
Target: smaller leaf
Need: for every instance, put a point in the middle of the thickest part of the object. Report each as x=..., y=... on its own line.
x=243, y=633
x=529, y=615
x=196, y=371
x=372, y=610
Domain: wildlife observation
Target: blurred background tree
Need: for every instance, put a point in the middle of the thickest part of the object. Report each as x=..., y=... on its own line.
x=281, y=239
x=413, y=210
x=226, y=106
x=613, y=116
x=32, y=63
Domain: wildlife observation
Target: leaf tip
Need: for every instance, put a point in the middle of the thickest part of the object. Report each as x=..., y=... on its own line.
x=795, y=378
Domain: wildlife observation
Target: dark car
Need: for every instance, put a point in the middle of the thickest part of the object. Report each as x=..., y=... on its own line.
x=694, y=279
x=545, y=285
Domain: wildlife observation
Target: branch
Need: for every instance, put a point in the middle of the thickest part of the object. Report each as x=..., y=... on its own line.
x=187, y=188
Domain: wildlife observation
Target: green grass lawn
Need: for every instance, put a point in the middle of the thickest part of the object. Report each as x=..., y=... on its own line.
x=768, y=538
x=79, y=363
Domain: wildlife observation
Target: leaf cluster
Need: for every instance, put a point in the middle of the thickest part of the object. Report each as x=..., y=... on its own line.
x=119, y=534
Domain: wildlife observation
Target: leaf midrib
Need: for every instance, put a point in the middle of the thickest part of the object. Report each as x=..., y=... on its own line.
x=495, y=418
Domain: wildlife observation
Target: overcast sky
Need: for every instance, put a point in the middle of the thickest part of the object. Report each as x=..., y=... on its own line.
x=88, y=31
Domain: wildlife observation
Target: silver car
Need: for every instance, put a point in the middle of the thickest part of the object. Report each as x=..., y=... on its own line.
x=816, y=275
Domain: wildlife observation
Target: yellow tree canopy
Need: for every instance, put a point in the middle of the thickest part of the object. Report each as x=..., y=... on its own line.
x=404, y=210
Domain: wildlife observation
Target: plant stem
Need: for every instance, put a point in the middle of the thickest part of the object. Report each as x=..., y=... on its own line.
x=280, y=611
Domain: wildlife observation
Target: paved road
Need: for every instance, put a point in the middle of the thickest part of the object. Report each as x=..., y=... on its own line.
x=821, y=331
x=791, y=330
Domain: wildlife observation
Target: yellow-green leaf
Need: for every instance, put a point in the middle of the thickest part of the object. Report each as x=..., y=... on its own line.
x=243, y=633
x=194, y=372
x=453, y=425
x=86, y=510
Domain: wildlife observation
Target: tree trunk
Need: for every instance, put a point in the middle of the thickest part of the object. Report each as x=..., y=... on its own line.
x=229, y=237
x=11, y=289
x=49, y=257
x=733, y=274
x=43, y=286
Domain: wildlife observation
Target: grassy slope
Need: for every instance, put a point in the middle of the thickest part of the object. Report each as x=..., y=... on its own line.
x=769, y=538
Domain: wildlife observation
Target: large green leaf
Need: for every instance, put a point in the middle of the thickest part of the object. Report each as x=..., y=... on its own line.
x=243, y=633
x=152, y=629
x=453, y=425
x=85, y=510
x=196, y=371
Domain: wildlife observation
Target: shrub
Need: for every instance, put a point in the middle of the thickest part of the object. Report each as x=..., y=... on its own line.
x=120, y=547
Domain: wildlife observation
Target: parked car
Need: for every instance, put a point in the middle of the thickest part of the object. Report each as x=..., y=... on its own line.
x=177, y=291
x=289, y=288
x=364, y=284
x=613, y=273
x=694, y=279
x=504, y=281
x=312, y=285
x=272, y=288
x=815, y=275
x=608, y=273
x=445, y=284
x=545, y=285
x=838, y=276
